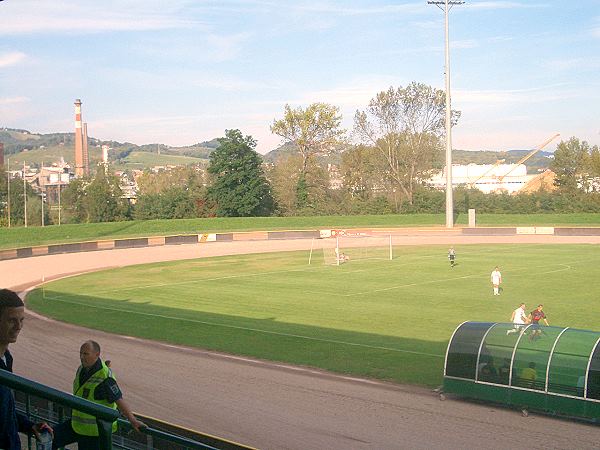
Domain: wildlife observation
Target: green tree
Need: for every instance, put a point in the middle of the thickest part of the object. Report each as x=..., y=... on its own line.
x=173, y=203
x=406, y=126
x=571, y=165
x=193, y=178
x=95, y=200
x=179, y=193
x=362, y=171
x=17, y=203
x=314, y=130
x=239, y=188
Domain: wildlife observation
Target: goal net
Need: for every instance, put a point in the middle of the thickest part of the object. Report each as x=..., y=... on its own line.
x=339, y=250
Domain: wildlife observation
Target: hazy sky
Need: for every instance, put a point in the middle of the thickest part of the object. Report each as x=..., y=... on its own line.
x=182, y=71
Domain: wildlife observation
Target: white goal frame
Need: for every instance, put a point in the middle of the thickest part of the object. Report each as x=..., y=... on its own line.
x=339, y=255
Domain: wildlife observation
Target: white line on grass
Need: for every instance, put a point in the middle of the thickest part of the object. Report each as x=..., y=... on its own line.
x=420, y=283
x=400, y=286
x=199, y=280
x=257, y=330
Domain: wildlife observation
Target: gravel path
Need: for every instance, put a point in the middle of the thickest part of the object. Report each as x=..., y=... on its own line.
x=268, y=405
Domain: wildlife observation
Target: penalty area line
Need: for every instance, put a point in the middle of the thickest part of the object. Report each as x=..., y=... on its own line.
x=256, y=330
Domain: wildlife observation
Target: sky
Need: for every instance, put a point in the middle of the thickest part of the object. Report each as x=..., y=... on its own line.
x=179, y=72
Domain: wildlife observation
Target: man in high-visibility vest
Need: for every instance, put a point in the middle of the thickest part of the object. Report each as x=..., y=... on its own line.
x=94, y=381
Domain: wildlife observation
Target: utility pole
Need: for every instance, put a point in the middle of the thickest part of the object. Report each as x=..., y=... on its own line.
x=59, y=190
x=24, y=196
x=445, y=6
x=42, y=191
x=8, y=188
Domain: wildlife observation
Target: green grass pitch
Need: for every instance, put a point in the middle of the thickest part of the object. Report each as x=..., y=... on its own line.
x=389, y=320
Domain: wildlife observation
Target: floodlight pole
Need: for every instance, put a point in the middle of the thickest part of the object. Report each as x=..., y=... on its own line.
x=447, y=5
x=8, y=188
x=42, y=192
x=24, y=195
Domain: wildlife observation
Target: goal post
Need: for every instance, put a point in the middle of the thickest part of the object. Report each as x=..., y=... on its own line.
x=340, y=249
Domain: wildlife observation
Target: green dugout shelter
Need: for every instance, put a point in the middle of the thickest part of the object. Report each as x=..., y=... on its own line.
x=552, y=369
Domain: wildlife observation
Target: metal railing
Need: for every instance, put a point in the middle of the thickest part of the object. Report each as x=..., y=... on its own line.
x=104, y=417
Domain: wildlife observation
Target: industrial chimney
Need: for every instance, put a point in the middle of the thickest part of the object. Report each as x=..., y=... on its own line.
x=81, y=152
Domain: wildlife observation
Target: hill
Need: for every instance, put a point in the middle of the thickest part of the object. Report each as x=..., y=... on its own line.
x=34, y=149
x=540, y=161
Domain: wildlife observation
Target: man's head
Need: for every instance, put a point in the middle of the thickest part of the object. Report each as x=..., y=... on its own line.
x=539, y=307
x=12, y=314
x=89, y=353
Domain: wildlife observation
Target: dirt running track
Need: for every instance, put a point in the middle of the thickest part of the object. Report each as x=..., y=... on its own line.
x=267, y=405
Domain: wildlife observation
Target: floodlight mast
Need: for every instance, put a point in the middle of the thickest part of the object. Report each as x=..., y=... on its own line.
x=447, y=5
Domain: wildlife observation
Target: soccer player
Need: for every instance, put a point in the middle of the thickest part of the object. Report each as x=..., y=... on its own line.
x=496, y=279
x=452, y=256
x=518, y=318
x=534, y=317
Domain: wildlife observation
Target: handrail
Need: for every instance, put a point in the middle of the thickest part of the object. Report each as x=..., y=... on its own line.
x=34, y=388
x=104, y=416
x=186, y=442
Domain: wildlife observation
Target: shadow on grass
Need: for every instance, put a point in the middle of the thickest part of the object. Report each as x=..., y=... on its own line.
x=390, y=358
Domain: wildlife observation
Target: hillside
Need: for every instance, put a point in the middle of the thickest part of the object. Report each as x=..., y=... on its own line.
x=34, y=149
x=536, y=163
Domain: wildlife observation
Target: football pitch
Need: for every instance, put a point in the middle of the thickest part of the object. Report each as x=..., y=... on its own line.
x=389, y=320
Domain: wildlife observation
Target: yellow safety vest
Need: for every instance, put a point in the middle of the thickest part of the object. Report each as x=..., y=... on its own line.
x=83, y=423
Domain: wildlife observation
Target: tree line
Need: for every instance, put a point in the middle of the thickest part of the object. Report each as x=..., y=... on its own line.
x=396, y=144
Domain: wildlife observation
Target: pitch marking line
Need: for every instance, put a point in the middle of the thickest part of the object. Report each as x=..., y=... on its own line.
x=257, y=330
x=200, y=280
x=390, y=288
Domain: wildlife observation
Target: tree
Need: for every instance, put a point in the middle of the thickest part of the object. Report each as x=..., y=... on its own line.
x=190, y=177
x=571, y=164
x=239, y=188
x=96, y=200
x=406, y=126
x=314, y=130
x=179, y=193
x=17, y=203
x=362, y=171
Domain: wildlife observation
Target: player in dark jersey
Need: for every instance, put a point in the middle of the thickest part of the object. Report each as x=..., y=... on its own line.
x=452, y=257
x=534, y=317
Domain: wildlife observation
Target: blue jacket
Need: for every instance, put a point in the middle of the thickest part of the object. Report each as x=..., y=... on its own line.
x=11, y=422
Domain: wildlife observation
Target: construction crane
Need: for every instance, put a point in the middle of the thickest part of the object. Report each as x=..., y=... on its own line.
x=496, y=164
x=528, y=155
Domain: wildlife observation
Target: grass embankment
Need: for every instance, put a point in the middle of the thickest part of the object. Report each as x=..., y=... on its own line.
x=388, y=320
x=22, y=237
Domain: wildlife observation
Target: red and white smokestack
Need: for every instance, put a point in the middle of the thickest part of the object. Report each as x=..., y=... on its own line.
x=79, y=163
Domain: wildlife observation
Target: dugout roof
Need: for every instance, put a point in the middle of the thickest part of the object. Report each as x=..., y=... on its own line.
x=552, y=360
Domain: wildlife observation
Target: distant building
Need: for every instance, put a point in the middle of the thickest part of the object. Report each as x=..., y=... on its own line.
x=105, y=149
x=51, y=181
x=510, y=178
x=335, y=177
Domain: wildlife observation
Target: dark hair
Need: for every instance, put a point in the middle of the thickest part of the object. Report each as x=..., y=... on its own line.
x=9, y=299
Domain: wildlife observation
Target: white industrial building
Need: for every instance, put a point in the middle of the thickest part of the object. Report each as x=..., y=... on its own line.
x=487, y=178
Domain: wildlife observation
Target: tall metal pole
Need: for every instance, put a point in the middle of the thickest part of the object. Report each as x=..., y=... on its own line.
x=42, y=192
x=24, y=195
x=447, y=5
x=8, y=187
x=59, y=191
